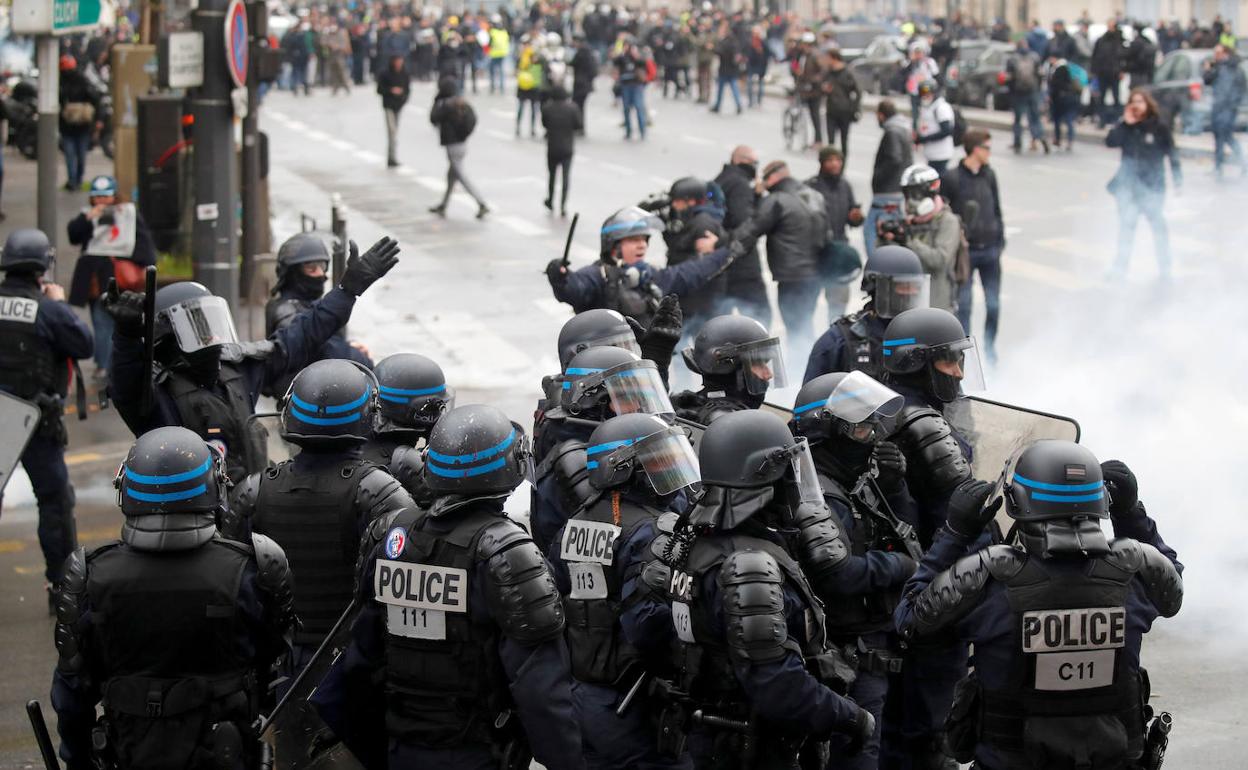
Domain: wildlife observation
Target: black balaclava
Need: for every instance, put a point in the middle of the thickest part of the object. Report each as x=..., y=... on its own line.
x=730, y=385
x=306, y=287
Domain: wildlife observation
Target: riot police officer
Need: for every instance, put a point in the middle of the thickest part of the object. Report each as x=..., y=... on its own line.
x=738, y=361
x=894, y=281
x=600, y=383
x=302, y=268
x=637, y=463
x=1057, y=621
x=207, y=382
x=461, y=618
x=927, y=355
x=749, y=628
x=692, y=215
x=318, y=505
x=172, y=628
x=39, y=336
x=844, y=418
x=412, y=394
x=623, y=281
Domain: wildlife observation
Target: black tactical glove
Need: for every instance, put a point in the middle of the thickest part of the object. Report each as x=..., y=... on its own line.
x=864, y=729
x=556, y=273
x=126, y=309
x=1121, y=485
x=363, y=271
x=967, y=515
x=660, y=338
x=891, y=464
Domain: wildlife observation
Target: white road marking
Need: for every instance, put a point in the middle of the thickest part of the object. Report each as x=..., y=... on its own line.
x=521, y=225
x=502, y=135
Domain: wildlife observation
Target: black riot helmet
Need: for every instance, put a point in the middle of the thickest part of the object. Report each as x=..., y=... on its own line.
x=412, y=394
x=918, y=341
x=688, y=188
x=736, y=353
x=745, y=459
x=299, y=249
x=193, y=317
x=629, y=444
x=171, y=488
x=852, y=405
x=614, y=381
x=1054, y=479
x=330, y=404
x=476, y=450
x=27, y=249
x=595, y=328
x=626, y=223
x=894, y=280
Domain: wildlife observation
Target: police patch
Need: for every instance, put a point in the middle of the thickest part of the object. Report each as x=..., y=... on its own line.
x=396, y=540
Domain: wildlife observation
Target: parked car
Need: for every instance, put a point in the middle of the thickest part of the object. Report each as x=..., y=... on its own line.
x=853, y=39
x=877, y=69
x=965, y=54
x=982, y=82
x=1180, y=91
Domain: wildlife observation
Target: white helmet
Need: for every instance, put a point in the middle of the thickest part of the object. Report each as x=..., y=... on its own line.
x=553, y=39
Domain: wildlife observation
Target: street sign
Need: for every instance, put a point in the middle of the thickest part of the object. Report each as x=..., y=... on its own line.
x=182, y=60
x=236, y=42
x=55, y=17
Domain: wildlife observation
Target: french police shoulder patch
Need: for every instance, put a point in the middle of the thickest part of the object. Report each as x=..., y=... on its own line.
x=396, y=541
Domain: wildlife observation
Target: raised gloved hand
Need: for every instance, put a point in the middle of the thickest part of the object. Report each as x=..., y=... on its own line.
x=967, y=515
x=891, y=464
x=1120, y=483
x=660, y=338
x=126, y=309
x=365, y=270
x=556, y=273
x=864, y=729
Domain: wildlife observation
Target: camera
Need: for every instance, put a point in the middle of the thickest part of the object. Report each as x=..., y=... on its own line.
x=895, y=226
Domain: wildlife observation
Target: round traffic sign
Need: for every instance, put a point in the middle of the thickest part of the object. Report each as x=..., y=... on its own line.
x=236, y=42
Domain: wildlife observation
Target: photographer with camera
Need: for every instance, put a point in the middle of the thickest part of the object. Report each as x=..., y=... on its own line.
x=690, y=215
x=931, y=230
x=115, y=243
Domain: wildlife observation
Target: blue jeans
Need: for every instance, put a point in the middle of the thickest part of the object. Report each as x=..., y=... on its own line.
x=754, y=88
x=1064, y=116
x=730, y=81
x=75, y=147
x=1223, y=125
x=1029, y=105
x=633, y=97
x=986, y=262
x=879, y=210
x=1131, y=206
x=496, y=74
x=102, y=326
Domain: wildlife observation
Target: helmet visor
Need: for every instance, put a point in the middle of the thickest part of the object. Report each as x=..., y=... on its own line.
x=202, y=322
x=859, y=396
x=960, y=359
x=668, y=460
x=638, y=388
x=805, y=475
x=895, y=294
x=622, y=339
x=762, y=365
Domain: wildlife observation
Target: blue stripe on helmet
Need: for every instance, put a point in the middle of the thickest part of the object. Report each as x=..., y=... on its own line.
x=607, y=447
x=841, y=397
x=166, y=497
x=580, y=371
x=888, y=352
x=630, y=225
x=388, y=391
x=352, y=406
x=1067, y=498
x=1056, y=487
x=591, y=464
x=484, y=454
x=807, y=407
x=460, y=473
x=902, y=341
x=313, y=420
x=171, y=479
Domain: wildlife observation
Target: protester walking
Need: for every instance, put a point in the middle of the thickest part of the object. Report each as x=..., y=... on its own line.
x=80, y=105
x=1224, y=75
x=394, y=84
x=935, y=131
x=894, y=156
x=562, y=121
x=630, y=74
x=455, y=119
x=842, y=103
x=1065, y=95
x=728, y=49
x=1108, y=57
x=1140, y=182
x=1022, y=78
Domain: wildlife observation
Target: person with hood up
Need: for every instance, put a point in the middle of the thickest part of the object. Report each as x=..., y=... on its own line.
x=563, y=121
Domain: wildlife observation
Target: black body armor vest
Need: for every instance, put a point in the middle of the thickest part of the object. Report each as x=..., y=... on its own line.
x=215, y=418
x=28, y=364
x=862, y=353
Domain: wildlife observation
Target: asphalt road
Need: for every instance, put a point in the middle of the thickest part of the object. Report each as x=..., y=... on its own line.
x=1152, y=371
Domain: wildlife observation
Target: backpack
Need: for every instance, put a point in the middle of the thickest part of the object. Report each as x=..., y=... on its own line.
x=959, y=126
x=812, y=199
x=962, y=262
x=465, y=118
x=1078, y=76
x=1026, y=76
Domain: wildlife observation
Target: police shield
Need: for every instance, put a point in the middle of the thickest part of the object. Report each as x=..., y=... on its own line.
x=18, y=420
x=294, y=732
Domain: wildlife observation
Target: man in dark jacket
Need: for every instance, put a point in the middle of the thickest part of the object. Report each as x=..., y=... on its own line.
x=839, y=262
x=971, y=189
x=794, y=233
x=894, y=156
x=1061, y=45
x=584, y=70
x=1141, y=59
x=394, y=84
x=728, y=49
x=1223, y=74
x=693, y=216
x=1107, y=60
x=79, y=105
x=1022, y=77
x=455, y=119
x=562, y=121
x=843, y=98
x=745, y=290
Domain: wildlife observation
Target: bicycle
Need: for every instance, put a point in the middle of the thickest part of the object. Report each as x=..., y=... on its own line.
x=795, y=126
